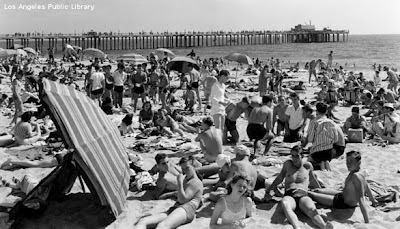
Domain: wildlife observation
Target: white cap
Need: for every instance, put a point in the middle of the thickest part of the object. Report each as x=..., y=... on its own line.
x=223, y=159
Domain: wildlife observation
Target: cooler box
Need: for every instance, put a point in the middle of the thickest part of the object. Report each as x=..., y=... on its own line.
x=355, y=135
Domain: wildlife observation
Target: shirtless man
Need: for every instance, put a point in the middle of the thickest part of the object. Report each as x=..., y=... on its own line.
x=210, y=140
x=355, y=187
x=190, y=192
x=166, y=181
x=312, y=69
x=330, y=58
x=138, y=82
x=393, y=79
x=297, y=174
x=258, y=117
x=194, y=82
x=279, y=115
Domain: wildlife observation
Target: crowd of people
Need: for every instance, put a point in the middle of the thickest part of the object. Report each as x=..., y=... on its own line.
x=277, y=112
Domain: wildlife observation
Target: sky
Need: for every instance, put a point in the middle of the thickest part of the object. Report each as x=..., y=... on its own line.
x=357, y=16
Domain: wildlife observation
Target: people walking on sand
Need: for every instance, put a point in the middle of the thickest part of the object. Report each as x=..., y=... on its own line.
x=109, y=83
x=189, y=191
x=312, y=69
x=218, y=100
x=16, y=89
x=297, y=175
x=355, y=188
x=393, y=79
x=138, y=83
x=259, y=126
x=163, y=83
x=119, y=78
x=234, y=209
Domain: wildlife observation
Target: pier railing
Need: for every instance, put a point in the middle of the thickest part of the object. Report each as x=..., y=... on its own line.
x=126, y=41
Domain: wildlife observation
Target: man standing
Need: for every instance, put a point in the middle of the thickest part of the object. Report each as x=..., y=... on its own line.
x=355, y=187
x=297, y=175
x=322, y=134
x=279, y=116
x=259, y=117
x=312, y=69
x=294, y=120
x=97, y=84
x=393, y=79
x=119, y=77
x=138, y=82
x=330, y=58
x=194, y=82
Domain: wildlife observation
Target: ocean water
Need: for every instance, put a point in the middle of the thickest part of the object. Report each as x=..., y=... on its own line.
x=360, y=52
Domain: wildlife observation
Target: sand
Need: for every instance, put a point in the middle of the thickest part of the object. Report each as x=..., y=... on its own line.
x=380, y=164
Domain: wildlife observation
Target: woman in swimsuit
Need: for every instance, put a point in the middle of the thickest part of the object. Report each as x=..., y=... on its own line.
x=235, y=208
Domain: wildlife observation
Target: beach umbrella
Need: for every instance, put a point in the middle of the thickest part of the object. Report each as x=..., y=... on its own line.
x=134, y=58
x=16, y=46
x=30, y=51
x=22, y=52
x=95, y=139
x=94, y=53
x=5, y=53
x=180, y=63
x=164, y=50
x=239, y=58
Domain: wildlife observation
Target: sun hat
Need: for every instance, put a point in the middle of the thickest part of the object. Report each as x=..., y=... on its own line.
x=222, y=159
x=242, y=150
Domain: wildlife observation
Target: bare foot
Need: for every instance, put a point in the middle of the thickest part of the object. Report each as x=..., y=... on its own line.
x=329, y=225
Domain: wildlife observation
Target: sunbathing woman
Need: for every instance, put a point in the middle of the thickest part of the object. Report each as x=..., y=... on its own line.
x=164, y=120
x=146, y=116
x=186, y=124
x=235, y=208
x=126, y=125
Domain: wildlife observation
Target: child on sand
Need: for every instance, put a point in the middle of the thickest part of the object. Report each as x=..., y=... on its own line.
x=146, y=116
x=354, y=190
x=126, y=125
x=234, y=209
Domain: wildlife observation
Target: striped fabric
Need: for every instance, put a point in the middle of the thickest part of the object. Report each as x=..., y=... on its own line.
x=322, y=134
x=96, y=140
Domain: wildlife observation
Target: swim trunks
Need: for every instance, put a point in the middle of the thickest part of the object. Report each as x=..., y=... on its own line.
x=138, y=90
x=338, y=202
x=195, y=85
x=119, y=89
x=230, y=125
x=296, y=196
x=189, y=207
x=97, y=92
x=324, y=155
x=109, y=86
x=293, y=136
x=256, y=131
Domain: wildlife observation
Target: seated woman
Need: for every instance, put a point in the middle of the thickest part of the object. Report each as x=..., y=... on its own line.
x=190, y=192
x=24, y=134
x=146, y=116
x=235, y=208
x=126, y=125
x=164, y=120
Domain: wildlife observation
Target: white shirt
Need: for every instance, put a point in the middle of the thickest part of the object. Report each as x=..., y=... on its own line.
x=97, y=78
x=296, y=117
x=119, y=78
x=217, y=95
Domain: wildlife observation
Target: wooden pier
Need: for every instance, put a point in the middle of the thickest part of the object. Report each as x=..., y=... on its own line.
x=174, y=40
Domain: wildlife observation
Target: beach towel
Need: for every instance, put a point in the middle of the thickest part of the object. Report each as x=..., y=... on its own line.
x=383, y=195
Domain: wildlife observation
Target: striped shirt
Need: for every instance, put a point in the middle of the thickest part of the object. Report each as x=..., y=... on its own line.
x=322, y=134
